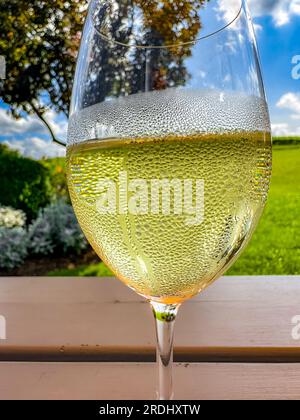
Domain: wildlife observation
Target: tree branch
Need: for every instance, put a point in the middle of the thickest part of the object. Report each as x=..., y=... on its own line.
x=45, y=122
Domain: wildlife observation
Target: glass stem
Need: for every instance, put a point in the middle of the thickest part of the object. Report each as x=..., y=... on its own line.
x=165, y=316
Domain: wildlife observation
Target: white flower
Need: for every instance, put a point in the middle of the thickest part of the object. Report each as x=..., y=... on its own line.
x=11, y=218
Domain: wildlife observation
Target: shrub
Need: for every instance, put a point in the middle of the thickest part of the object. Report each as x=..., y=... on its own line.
x=56, y=230
x=11, y=218
x=57, y=171
x=13, y=245
x=27, y=185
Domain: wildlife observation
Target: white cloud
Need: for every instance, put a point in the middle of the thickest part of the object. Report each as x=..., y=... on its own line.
x=36, y=147
x=228, y=9
x=29, y=135
x=295, y=7
x=31, y=124
x=280, y=129
x=291, y=102
x=257, y=27
x=10, y=125
x=284, y=129
x=281, y=10
x=59, y=124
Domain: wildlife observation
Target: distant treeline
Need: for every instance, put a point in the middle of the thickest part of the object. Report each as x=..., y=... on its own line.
x=286, y=140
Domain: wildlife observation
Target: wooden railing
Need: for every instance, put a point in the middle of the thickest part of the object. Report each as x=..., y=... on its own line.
x=84, y=337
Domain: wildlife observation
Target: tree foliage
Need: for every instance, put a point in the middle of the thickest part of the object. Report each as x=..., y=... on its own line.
x=56, y=168
x=39, y=39
x=113, y=69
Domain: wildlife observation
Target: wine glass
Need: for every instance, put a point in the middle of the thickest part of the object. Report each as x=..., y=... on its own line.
x=169, y=147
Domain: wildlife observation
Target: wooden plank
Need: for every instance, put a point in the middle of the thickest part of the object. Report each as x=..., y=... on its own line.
x=97, y=381
x=77, y=319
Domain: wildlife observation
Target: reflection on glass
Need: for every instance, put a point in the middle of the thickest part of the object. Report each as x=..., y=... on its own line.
x=113, y=69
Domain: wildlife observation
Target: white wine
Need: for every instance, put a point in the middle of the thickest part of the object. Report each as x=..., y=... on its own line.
x=169, y=256
x=169, y=148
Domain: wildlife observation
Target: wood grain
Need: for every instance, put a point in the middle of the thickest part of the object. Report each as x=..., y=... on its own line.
x=238, y=319
x=97, y=381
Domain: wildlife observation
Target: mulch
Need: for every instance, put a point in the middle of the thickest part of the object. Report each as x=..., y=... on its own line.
x=41, y=266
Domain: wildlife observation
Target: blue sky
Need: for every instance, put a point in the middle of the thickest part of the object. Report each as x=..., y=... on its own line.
x=277, y=24
x=278, y=44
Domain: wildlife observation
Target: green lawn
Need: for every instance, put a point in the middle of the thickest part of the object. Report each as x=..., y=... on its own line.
x=275, y=246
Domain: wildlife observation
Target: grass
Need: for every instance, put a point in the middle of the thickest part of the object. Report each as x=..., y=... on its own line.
x=275, y=246
x=99, y=270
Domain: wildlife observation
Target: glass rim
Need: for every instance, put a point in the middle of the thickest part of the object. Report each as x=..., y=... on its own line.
x=242, y=6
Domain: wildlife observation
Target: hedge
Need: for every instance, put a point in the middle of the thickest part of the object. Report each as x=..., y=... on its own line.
x=24, y=183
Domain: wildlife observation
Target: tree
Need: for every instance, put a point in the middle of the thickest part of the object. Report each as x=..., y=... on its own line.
x=113, y=70
x=39, y=39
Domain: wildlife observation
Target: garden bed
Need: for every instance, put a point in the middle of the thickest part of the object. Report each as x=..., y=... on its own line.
x=41, y=266
x=274, y=249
